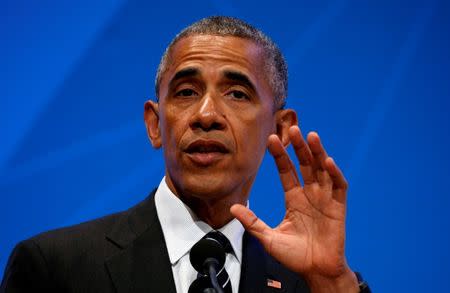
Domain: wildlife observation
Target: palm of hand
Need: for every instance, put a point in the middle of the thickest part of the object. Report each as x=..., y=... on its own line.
x=311, y=231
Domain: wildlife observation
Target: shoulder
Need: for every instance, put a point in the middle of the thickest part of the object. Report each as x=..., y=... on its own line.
x=85, y=234
x=76, y=252
x=92, y=237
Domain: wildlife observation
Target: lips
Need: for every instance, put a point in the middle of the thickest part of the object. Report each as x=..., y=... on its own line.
x=206, y=146
x=206, y=152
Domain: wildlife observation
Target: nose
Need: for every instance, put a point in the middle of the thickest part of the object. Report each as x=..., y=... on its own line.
x=208, y=115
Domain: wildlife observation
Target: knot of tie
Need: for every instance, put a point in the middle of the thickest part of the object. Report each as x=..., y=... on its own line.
x=213, y=247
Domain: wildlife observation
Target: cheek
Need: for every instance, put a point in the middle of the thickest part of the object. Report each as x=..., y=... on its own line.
x=173, y=125
x=254, y=135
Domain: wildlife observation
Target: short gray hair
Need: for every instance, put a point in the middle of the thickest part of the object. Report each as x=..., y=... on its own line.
x=275, y=64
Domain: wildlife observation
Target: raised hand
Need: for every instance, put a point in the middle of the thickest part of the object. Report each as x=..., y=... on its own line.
x=311, y=238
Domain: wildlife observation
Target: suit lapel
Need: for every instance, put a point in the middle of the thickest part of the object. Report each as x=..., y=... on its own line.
x=258, y=268
x=253, y=268
x=142, y=263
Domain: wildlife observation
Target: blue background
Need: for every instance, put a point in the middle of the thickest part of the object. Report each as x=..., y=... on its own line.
x=372, y=77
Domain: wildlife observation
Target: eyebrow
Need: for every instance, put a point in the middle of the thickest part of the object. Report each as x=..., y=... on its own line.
x=239, y=77
x=183, y=73
x=228, y=74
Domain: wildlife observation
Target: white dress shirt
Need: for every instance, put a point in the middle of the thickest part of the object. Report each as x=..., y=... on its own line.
x=182, y=229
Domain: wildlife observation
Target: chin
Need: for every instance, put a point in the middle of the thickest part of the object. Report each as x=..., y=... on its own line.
x=208, y=186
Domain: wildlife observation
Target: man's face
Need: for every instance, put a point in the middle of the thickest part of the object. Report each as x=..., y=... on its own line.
x=215, y=113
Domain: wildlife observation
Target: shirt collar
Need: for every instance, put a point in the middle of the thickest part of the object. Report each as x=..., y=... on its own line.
x=182, y=228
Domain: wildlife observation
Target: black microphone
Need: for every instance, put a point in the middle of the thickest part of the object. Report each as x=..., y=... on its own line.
x=207, y=257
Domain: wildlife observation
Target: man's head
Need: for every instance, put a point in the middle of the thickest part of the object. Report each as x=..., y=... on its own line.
x=275, y=65
x=216, y=107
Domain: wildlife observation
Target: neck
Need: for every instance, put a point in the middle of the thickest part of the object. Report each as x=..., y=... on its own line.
x=214, y=212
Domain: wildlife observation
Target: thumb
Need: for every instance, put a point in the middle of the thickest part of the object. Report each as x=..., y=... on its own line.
x=252, y=223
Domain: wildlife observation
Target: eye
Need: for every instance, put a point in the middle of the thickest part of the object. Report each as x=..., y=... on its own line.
x=238, y=95
x=186, y=93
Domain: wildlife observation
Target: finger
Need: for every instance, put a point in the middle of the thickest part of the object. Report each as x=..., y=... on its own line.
x=319, y=155
x=252, y=223
x=303, y=154
x=317, y=150
x=340, y=184
x=286, y=169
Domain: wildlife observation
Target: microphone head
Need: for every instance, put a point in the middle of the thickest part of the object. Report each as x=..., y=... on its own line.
x=205, y=251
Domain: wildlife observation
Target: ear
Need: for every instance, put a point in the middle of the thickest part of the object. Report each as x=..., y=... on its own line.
x=151, y=119
x=284, y=120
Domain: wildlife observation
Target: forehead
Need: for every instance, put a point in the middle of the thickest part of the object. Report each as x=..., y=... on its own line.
x=217, y=53
x=221, y=47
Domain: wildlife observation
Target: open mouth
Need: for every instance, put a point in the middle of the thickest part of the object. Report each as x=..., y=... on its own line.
x=206, y=152
x=203, y=146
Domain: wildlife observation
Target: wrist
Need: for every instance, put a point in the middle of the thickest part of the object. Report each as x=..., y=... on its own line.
x=347, y=282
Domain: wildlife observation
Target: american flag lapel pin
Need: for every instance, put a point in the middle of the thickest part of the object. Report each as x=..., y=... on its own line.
x=273, y=283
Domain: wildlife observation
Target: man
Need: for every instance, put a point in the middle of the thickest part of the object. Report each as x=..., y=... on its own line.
x=221, y=88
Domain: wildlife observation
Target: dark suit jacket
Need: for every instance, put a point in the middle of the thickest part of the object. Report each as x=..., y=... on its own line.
x=123, y=252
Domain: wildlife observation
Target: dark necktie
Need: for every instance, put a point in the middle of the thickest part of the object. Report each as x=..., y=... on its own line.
x=204, y=281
